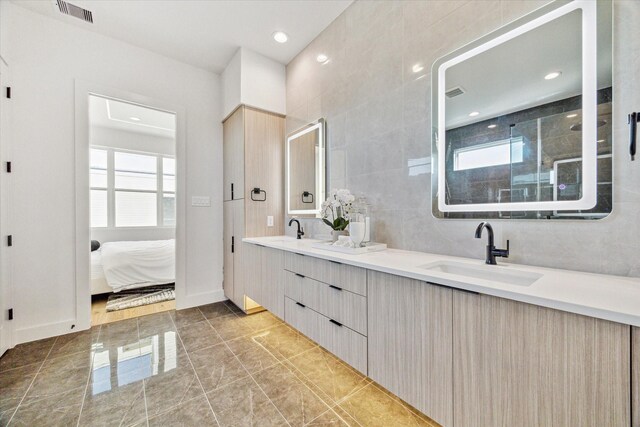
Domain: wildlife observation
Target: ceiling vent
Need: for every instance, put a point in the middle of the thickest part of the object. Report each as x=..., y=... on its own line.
x=75, y=11
x=456, y=91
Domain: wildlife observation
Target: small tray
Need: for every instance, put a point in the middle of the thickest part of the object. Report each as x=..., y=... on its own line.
x=368, y=247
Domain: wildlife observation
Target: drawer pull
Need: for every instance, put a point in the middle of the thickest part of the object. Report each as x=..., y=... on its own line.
x=335, y=322
x=299, y=275
x=301, y=305
x=335, y=287
x=336, y=262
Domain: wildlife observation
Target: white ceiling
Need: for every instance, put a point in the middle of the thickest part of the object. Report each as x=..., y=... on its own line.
x=120, y=115
x=205, y=33
x=510, y=77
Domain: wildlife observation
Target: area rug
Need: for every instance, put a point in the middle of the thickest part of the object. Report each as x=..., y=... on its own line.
x=142, y=296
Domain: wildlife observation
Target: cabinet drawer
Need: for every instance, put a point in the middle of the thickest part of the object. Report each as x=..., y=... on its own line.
x=347, y=277
x=345, y=343
x=346, y=307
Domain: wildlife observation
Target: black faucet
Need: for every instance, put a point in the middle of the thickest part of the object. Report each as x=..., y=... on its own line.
x=300, y=231
x=492, y=252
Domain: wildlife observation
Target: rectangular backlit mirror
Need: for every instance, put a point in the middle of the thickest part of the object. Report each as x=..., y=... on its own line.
x=522, y=119
x=306, y=170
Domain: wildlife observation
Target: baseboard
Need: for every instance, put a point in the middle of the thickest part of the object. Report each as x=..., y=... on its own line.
x=188, y=301
x=38, y=332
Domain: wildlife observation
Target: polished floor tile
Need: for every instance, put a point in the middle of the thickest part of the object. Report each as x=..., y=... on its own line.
x=217, y=309
x=284, y=342
x=242, y=403
x=198, y=335
x=292, y=397
x=217, y=366
x=195, y=412
x=342, y=380
x=26, y=354
x=252, y=354
x=62, y=409
x=205, y=366
x=372, y=406
x=14, y=383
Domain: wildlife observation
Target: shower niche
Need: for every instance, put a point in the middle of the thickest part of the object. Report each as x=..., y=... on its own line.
x=523, y=119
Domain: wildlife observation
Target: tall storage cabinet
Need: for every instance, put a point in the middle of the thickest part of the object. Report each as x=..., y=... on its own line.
x=253, y=150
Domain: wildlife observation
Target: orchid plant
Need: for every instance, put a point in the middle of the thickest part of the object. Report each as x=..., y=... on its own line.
x=336, y=209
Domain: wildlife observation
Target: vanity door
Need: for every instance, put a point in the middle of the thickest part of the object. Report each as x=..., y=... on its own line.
x=410, y=342
x=520, y=364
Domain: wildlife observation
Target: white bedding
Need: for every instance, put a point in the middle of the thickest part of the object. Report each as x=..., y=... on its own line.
x=135, y=264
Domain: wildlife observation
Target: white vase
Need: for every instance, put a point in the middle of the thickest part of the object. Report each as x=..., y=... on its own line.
x=357, y=232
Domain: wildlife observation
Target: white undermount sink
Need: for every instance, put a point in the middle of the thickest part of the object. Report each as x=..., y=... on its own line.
x=491, y=273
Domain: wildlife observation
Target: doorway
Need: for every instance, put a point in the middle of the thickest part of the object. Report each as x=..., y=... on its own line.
x=130, y=213
x=132, y=209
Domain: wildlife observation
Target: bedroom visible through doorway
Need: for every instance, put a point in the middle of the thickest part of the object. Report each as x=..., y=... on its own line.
x=132, y=193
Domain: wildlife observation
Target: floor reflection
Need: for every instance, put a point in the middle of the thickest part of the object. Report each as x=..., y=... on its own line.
x=117, y=366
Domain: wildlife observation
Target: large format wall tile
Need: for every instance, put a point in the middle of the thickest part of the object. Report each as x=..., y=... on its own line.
x=378, y=112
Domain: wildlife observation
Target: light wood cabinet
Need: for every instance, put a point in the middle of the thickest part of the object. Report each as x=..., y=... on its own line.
x=253, y=158
x=264, y=282
x=272, y=261
x=353, y=279
x=345, y=343
x=410, y=342
x=635, y=373
x=524, y=365
x=346, y=307
x=233, y=156
x=233, y=218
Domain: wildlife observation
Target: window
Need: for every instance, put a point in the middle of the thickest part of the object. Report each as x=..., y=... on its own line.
x=131, y=189
x=504, y=152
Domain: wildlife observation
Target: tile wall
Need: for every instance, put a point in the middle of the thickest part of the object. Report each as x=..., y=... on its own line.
x=378, y=118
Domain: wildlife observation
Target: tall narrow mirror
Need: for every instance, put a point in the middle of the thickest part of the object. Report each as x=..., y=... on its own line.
x=306, y=170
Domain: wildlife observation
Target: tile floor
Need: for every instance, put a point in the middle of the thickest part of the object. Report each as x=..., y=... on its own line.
x=204, y=366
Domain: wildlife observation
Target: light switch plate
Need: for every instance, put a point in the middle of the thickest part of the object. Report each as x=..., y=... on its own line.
x=200, y=201
x=270, y=221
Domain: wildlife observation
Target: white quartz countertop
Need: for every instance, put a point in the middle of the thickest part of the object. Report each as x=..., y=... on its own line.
x=614, y=298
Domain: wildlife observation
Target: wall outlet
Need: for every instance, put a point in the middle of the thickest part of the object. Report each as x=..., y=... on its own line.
x=270, y=221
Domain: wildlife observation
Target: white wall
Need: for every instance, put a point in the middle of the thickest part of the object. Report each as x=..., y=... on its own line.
x=263, y=82
x=254, y=80
x=46, y=57
x=231, y=85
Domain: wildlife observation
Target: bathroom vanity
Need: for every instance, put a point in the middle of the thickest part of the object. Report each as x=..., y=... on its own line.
x=553, y=347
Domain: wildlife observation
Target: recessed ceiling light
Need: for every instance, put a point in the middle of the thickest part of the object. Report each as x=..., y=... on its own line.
x=474, y=113
x=553, y=75
x=492, y=126
x=280, y=37
x=417, y=68
x=571, y=116
x=322, y=58
x=135, y=119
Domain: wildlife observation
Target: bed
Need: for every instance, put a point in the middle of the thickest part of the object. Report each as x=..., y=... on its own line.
x=133, y=264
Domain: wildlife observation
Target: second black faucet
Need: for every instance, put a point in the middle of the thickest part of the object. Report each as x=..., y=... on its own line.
x=492, y=252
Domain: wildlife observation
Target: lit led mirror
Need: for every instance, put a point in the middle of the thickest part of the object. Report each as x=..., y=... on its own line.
x=522, y=119
x=306, y=170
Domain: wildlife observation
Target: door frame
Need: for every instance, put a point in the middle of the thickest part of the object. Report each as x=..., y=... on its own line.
x=83, y=234
x=7, y=330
